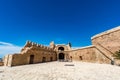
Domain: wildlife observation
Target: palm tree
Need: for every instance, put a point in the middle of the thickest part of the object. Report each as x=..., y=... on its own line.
x=117, y=55
x=69, y=44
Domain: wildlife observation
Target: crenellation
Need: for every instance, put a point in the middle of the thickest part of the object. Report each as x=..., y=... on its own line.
x=32, y=43
x=42, y=46
x=45, y=47
x=37, y=45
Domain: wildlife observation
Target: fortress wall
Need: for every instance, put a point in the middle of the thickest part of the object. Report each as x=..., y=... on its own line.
x=100, y=57
x=85, y=54
x=103, y=44
x=88, y=54
x=19, y=59
x=109, y=39
x=22, y=59
x=31, y=53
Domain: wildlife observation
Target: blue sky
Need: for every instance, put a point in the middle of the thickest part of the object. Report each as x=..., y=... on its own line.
x=62, y=21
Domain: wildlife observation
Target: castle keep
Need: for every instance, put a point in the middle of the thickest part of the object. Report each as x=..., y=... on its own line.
x=104, y=45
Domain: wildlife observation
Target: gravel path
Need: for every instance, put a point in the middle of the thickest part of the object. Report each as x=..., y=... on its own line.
x=61, y=71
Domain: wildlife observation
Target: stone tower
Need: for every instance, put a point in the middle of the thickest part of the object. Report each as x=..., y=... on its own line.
x=52, y=45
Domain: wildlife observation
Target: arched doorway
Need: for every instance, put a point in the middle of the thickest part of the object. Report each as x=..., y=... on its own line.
x=61, y=56
x=31, y=61
x=61, y=48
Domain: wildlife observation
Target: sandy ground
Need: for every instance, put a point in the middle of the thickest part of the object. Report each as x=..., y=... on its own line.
x=61, y=71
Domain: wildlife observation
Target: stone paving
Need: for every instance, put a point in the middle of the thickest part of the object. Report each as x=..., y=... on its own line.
x=61, y=71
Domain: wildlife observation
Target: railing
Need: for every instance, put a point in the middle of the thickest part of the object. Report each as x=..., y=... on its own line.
x=108, y=54
x=103, y=53
x=105, y=48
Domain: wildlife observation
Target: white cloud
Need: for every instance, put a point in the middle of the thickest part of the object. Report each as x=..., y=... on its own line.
x=8, y=48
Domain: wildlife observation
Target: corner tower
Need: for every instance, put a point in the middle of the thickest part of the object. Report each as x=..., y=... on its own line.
x=52, y=45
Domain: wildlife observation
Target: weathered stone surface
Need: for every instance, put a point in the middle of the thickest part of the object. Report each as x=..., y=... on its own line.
x=108, y=42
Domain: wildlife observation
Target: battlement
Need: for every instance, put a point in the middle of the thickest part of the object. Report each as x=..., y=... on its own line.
x=106, y=32
x=33, y=44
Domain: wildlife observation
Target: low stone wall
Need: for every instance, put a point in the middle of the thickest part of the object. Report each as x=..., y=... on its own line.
x=22, y=59
x=88, y=54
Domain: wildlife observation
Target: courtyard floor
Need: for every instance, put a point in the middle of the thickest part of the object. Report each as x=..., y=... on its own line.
x=61, y=71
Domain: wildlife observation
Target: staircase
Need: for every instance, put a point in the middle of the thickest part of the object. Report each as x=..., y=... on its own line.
x=106, y=52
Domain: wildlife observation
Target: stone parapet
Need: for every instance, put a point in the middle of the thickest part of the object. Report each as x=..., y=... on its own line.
x=106, y=32
x=91, y=46
x=33, y=44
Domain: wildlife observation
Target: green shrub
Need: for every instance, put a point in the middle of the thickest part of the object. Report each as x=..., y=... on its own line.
x=117, y=55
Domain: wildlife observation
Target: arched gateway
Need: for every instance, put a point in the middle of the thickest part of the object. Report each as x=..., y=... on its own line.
x=61, y=56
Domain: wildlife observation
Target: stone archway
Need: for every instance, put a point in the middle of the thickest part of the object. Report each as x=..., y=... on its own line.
x=61, y=48
x=61, y=56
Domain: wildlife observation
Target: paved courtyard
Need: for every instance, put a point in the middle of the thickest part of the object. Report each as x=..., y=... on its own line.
x=61, y=71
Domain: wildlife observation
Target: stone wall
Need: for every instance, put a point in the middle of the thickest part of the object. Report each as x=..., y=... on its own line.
x=88, y=54
x=108, y=42
x=22, y=59
x=38, y=52
x=109, y=39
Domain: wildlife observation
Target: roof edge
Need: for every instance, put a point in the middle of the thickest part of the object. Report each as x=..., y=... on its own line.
x=106, y=32
x=90, y=46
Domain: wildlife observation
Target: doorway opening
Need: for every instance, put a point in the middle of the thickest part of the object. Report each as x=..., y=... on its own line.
x=61, y=56
x=31, y=61
x=44, y=59
x=51, y=58
x=80, y=57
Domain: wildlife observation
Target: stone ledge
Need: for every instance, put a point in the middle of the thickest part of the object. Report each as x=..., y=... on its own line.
x=91, y=46
x=106, y=32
